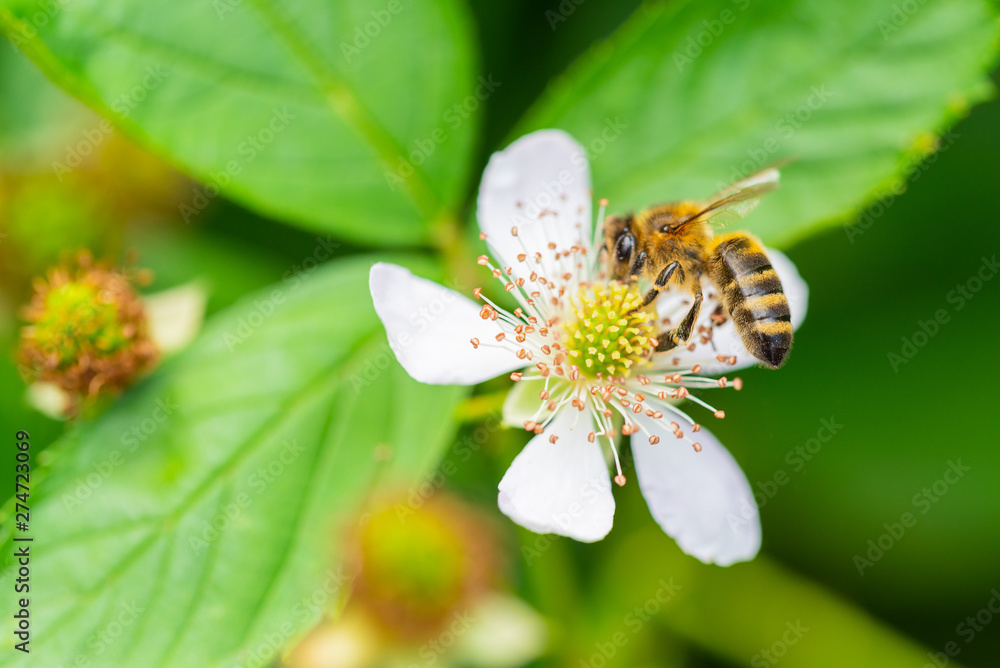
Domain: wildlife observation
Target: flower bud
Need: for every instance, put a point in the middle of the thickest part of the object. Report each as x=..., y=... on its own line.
x=86, y=330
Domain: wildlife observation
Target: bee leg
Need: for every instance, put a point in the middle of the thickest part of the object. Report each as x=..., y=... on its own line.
x=640, y=263
x=681, y=334
x=683, y=331
x=660, y=282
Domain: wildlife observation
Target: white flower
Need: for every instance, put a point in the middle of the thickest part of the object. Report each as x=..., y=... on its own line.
x=582, y=361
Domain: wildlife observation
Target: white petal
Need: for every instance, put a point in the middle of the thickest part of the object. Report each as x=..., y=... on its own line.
x=504, y=632
x=523, y=401
x=50, y=399
x=793, y=284
x=562, y=487
x=350, y=642
x=701, y=499
x=725, y=338
x=430, y=327
x=541, y=185
x=174, y=316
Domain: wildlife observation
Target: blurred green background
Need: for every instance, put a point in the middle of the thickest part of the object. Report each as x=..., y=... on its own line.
x=900, y=427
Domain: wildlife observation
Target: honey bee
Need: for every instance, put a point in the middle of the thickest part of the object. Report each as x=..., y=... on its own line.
x=674, y=242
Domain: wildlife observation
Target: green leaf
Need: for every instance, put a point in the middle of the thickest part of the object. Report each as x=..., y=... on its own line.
x=36, y=118
x=200, y=519
x=690, y=96
x=753, y=613
x=311, y=112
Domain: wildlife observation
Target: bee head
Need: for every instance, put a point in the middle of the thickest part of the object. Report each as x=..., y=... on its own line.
x=620, y=245
x=665, y=222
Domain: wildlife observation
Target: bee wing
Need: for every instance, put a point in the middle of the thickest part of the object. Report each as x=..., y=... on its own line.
x=739, y=199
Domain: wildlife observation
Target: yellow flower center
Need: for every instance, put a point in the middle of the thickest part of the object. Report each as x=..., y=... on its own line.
x=606, y=338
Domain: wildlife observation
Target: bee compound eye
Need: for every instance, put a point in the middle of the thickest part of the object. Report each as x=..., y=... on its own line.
x=624, y=247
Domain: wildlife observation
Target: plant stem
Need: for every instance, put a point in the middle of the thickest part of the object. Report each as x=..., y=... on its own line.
x=481, y=406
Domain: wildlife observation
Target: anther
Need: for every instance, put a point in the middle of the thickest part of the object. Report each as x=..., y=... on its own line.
x=478, y=293
x=553, y=438
x=516, y=375
x=620, y=480
x=720, y=414
x=501, y=336
x=654, y=439
x=737, y=384
x=722, y=382
x=483, y=260
x=696, y=368
x=696, y=446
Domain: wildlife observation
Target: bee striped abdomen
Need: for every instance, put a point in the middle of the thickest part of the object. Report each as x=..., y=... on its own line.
x=751, y=292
